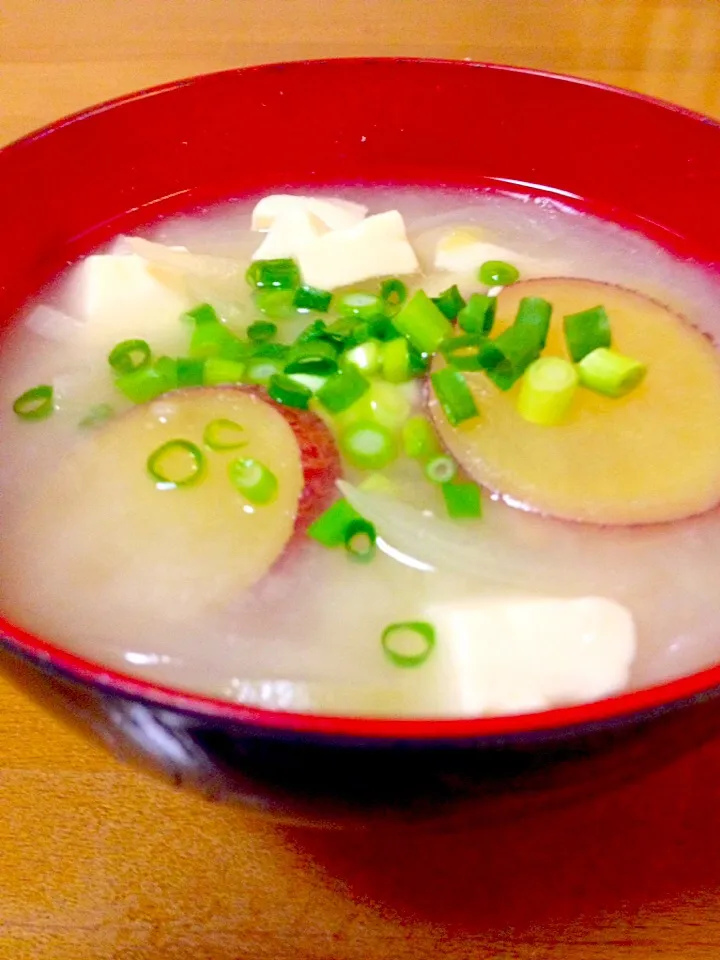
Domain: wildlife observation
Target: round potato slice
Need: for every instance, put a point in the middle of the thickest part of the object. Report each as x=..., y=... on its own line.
x=103, y=525
x=651, y=456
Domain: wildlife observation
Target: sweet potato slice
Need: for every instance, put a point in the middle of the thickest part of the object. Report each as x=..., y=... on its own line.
x=652, y=456
x=105, y=526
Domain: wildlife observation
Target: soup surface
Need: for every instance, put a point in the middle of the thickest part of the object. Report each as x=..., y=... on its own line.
x=547, y=544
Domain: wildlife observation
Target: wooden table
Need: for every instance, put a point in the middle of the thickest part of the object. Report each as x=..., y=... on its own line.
x=98, y=862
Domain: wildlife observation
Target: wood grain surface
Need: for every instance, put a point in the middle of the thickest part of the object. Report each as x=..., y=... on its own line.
x=98, y=862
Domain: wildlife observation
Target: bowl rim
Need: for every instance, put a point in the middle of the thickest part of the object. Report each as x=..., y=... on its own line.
x=617, y=709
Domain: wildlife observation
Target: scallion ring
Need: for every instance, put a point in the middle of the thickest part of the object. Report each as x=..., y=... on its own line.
x=224, y=434
x=256, y=482
x=35, y=404
x=129, y=356
x=177, y=463
x=360, y=540
x=408, y=644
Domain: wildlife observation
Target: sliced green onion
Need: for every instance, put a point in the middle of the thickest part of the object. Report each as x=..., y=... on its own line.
x=319, y=330
x=330, y=528
x=167, y=367
x=454, y=395
x=129, y=356
x=259, y=370
x=419, y=362
x=497, y=273
x=261, y=331
x=360, y=540
x=282, y=389
x=313, y=356
x=419, y=438
x=276, y=304
x=478, y=316
x=586, y=331
x=534, y=314
x=343, y=389
x=362, y=305
x=368, y=445
x=203, y=313
x=521, y=343
x=213, y=339
x=382, y=328
x=473, y=351
x=441, y=469
x=463, y=501
x=408, y=644
x=610, y=373
x=393, y=292
x=310, y=298
x=273, y=274
x=450, y=302
x=254, y=481
x=310, y=380
x=177, y=463
x=141, y=386
x=223, y=434
x=395, y=361
x=35, y=404
x=190, y=371
x=97, y=415
x=422, y=323
x=365, y=356
x=217, y=371
x=547, y=390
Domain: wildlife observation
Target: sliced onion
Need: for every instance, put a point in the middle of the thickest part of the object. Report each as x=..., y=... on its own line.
x=208, y=277
x=475, y=550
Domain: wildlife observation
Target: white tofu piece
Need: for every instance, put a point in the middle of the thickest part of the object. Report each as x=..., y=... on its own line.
x=375, y=247
x=290, y=233
x=336, y=214
x=123, y=297
x=516, y=655
x=462, y=252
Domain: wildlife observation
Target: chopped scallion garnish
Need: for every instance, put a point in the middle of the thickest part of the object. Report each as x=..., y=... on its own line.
x=223, y=434
x=261, y=331
x=422, y=323
x=312, y=356
x=463, y=501
x=217, y=371
x=365, y=356
x=343, y=389
x=144, y=385
x=408, y=644
x=497, y=273
x=362, y=305
x=190, y=371
x=610, y=373
x=419, y=438
x=35, y=404
x=441, y=469
x=478, y=315
x=254, y=481
x=586, y=331
x=393, y=292
x=368, y=445
x=360, y=540
x=395, y=361
x=450, y=302
x=130, y=356
x=276, y=304
x=288, y=392
x=280, y=274
x=310, y=298
x=454, y=395
x=547, y=390
x=472, y=351
x=330, y=528
x=177, y=463
x=260, y=369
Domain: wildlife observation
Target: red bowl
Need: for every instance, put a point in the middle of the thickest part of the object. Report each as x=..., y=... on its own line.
x=76, y=183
